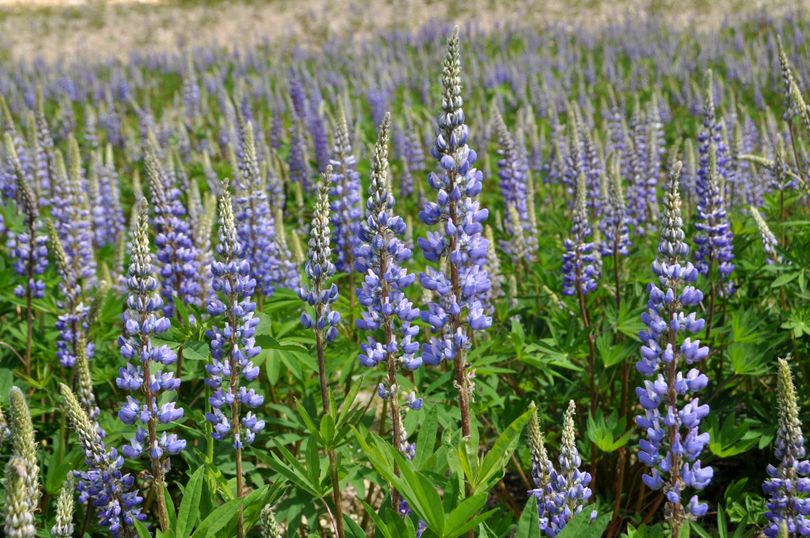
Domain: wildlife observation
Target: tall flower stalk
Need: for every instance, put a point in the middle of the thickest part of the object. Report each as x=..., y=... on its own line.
x=787, y=485
x=380, y=258
x=673, y=440
x=29, y=249
x=320, y=295
x=233, y=345
x=460, y=290
x=144, y=374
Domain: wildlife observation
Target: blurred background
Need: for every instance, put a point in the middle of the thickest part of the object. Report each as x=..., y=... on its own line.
x=53, y=29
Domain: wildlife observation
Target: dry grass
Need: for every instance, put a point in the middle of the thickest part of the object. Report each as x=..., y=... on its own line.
x=100, y=28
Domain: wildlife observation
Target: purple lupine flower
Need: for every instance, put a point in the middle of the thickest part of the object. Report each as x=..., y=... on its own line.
x=175, y=250
x=673, y=440
x=320, y=269
x=43, y=153
x=561, y=494
x=346, y=212
x=713, y=231
x=72, y=323
x=318, y=129
x=788, y=485
x=191, y=92
x=103, y=485
x=29, y=248
x=580, y=266
x=591, y=167
x=460, y=293
x=70, y=210
x=255, y=222
x=232, y=338
x=638, y=205
x=572, y=164
x=413, y=158
x=146, y=373
x=614, y=223
x=711, y=133
x=298, y=161
x=513, y=174
x=380, y=257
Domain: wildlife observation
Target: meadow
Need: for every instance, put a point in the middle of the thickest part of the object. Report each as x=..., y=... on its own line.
x=486, y=280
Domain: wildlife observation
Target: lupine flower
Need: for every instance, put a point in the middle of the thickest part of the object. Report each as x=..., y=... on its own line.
x=144, y=373
x=29, y=248
x=513, y=173
x=542, y=468
x=792, y=106
x=289, y=262
x=579, y=267
x=561, y=494
x=85, y=384
x=255, y=224
x=614, y=223
x=713, y=232
x=103, y=485
x=346, y=211
x=19, y=506
x=493, y=268
x=788, y=485
x=231, y=339
x=320, y=269
x=175, y=250
x=72, y=323
x=710, y=134
x=769, y=241
x=43, y=152
x=23, y=444
x=300, y=172
x=380, y=257
x=63, y=526
x=673, y=439
x=461, y=290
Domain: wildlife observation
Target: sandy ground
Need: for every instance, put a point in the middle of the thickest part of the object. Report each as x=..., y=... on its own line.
x=96, y=28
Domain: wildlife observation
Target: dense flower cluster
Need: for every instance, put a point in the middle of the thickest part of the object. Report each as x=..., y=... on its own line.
x=145, y=373
x=788, y=485
x=459, y=292
x=562, y=493
x=346, y=210
x=102, y=485
x=769, y=242
x=580, y=266
x=673, y=442
x=233, y=346
x=380, y=257
x=614, y=223
x=320, y=269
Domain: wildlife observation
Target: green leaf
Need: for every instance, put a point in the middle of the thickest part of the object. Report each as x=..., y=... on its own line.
x=190, y=505
x=529, y=522
x=501, y=451
x=141, y=529
x=459, y=519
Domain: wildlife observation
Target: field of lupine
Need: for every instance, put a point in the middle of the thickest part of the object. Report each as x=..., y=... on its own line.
x=440, y=283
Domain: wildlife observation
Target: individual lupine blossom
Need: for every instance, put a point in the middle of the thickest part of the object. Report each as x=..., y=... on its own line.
x=711, y=133
x=579, y=264
x=381, y=255
x=176, y=254
x=23, y=444
x=769, y=242
x=614, y=223
x=72, y=215
x=713, y=232
x=345, y=193
x=72, y=322
x=255, y=224
x=112, y=493
x=563, y=493
x=29, y=248
x=320, y=269
x=231, y=338
x=63, y=526
x=146, y=373
x=673, y=440
x=19, y=513
x=462, y=289
x=514, y=176
x=788, y=485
